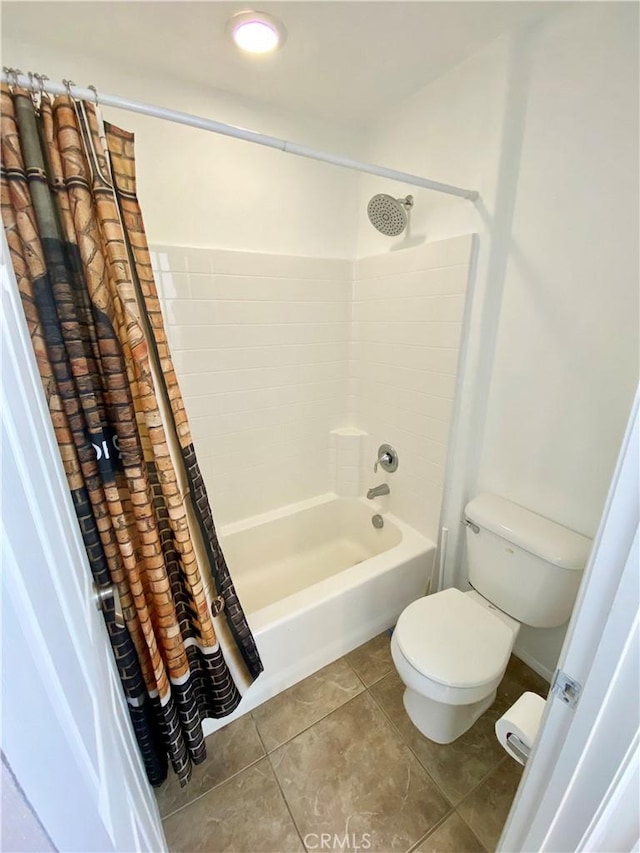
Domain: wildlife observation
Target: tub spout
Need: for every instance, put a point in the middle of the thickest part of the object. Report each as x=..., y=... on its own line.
x=377, y=491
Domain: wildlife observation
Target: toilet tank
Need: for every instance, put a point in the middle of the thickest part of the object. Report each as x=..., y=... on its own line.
x=527, y=565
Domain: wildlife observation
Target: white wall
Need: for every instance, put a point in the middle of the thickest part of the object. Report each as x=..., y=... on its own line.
x=450, y=131
x=545, y=125
x=199, y=189
x=566, y=358
x=260, y=346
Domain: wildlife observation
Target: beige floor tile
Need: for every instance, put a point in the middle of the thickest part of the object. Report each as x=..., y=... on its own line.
x=452, y=836
x=456, y=767
x=487, y=808
x=292, y=711
x=372, y=661
x=229, y=750
x=244, y=815
x=351, y=774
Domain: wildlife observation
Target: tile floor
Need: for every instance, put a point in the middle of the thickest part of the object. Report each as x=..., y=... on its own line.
x=337, y=754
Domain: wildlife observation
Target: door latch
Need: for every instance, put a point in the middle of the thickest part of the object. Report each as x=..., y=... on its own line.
x=567, y=689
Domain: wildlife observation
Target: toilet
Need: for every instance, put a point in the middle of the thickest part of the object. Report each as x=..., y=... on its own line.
x=451, y=648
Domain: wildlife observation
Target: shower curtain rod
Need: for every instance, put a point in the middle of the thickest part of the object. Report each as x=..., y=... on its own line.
x=39, y=84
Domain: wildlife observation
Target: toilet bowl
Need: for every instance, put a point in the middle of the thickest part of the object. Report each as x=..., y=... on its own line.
x=451, y=650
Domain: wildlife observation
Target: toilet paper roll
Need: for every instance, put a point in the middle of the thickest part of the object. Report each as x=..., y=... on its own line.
x=520, y=725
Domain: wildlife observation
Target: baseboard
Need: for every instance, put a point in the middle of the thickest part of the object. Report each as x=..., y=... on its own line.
x=535, y=665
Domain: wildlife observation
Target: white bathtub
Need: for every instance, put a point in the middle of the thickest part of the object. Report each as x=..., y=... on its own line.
x=316, y=579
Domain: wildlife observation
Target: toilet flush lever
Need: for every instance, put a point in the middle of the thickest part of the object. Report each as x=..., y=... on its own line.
x=472, y=525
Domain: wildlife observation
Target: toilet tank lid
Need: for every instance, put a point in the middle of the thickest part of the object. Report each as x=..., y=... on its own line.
x=534, y=533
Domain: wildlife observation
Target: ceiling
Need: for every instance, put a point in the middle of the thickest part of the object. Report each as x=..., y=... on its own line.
x=343, y=61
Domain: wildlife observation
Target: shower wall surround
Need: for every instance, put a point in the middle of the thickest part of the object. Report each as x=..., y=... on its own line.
x=295, y=369
x=260, y=345
x=408, y=308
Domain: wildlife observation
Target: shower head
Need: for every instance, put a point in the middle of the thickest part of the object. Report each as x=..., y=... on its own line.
x=389, y=214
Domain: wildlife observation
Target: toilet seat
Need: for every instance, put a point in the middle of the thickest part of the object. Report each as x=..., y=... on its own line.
x=452, y=640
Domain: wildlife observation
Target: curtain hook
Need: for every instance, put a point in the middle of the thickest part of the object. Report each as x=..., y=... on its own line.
x=12, y=77
x=41, y=92
x=67, y=85
x=41, y=78
x=34, y=92
x=95, y=92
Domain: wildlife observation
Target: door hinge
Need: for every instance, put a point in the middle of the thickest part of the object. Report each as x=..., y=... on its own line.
x=567, y=689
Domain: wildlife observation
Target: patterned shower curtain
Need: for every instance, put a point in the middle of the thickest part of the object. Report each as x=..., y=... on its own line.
x=80, y=255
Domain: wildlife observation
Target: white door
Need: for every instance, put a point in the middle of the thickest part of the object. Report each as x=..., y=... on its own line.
x=66, y=732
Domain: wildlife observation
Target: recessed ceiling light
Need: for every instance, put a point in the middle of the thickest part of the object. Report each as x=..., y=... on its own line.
x=256, y=32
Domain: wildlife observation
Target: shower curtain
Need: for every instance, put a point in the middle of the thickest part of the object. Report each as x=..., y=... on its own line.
x=80, y=255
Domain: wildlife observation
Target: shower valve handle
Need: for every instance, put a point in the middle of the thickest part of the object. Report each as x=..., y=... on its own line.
x=387, y=459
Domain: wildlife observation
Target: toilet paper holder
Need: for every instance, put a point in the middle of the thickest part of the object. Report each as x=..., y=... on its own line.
x=520, y=748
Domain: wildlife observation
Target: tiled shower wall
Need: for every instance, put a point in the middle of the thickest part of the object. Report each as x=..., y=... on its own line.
x=407, y=319
x=260, y=345
x=273, y=353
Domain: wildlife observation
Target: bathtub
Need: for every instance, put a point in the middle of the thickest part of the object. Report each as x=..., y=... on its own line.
x=316, y=579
